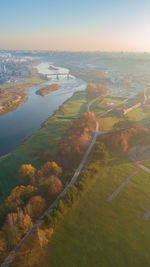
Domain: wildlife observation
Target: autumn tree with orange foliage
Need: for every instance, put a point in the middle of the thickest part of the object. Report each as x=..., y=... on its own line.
x=48, y=169
x=31, y=253
x=70, y=151
x=27, y=174
x=94, y=90
x=35, y=207
x=55, y=189
x=122, y=141
x=19, y=196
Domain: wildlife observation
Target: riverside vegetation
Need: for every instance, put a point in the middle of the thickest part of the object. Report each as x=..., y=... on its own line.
x=43, y=179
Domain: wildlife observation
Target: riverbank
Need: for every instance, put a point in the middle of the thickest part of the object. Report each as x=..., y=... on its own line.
x=46, y=139
x=41, y=108
x=3, y=157
x=16, y=95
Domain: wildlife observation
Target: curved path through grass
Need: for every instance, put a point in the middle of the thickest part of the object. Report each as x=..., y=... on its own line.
x=12, y=255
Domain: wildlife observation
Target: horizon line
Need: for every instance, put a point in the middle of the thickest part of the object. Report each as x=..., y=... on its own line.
x=75, y=51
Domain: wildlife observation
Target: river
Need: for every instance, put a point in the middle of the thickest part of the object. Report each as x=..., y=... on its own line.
x=17, y=125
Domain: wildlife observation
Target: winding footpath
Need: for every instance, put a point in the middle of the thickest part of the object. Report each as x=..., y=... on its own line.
x=38, y=223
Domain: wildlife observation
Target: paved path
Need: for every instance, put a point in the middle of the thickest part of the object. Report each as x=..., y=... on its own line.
x=12, y=255
x=94, y=100
x=117, y=191
x=143, y=167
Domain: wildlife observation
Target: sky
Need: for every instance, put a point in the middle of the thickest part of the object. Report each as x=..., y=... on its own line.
x=75, y=25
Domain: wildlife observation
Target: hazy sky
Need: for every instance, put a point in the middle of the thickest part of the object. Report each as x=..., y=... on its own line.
x=110, y=25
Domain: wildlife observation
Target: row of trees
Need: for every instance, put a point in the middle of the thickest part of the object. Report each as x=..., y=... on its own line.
x=32, y=252
x=39, y=188
x=70, y=150
x=121, y=141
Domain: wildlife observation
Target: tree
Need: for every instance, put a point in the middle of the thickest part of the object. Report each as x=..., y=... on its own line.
x=36, y=206
x=19, y=196
x=92, y=90
x=13, y=236
x=103, y=89
x=27, y=173
x=31, y=253
x=55, y=189
x=72, y=148
x=100, y=153
x=20, y=220
x=48, y=169
x=27, y=224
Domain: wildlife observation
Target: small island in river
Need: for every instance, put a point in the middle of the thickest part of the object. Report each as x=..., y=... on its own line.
x=48, y=89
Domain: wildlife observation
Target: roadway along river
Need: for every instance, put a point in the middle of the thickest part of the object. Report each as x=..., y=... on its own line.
x=17, y=125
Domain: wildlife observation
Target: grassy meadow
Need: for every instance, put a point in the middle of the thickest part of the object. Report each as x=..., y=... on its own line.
x=100, y=233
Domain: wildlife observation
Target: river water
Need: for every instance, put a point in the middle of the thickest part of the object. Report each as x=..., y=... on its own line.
x=17, y=125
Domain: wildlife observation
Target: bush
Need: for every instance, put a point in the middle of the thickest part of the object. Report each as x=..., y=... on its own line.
x=100, y=153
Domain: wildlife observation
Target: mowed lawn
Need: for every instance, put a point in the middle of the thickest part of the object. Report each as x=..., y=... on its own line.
x=106, y=234
x=47, y=138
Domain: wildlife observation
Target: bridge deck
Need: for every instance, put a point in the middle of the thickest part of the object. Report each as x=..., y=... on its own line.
x=59, y=74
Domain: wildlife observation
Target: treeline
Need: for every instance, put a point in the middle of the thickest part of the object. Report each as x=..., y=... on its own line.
x=122, y=140
x=70, y=150
x=39, y=188
x=33, y=251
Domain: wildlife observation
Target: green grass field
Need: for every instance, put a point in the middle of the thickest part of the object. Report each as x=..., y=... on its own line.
x=139, y=115
x=47, y=138
x=99, y=108
x=146, y=164
x=98, y=233
x=107, y=122
x=28, y=82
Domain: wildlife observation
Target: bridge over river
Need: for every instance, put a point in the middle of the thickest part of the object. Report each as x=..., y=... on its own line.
x=60, y=74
